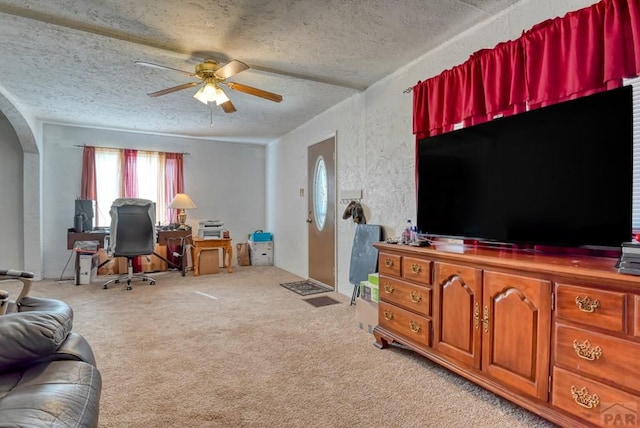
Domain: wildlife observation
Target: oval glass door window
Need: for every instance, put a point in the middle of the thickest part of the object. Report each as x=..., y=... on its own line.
x=320, y=193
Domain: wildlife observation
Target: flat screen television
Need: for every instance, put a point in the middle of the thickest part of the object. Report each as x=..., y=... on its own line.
x=555, y=176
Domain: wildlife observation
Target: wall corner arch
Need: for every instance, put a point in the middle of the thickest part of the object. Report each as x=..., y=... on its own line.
x=31, y=187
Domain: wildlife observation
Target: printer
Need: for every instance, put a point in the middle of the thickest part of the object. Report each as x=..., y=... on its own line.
x=210, y=229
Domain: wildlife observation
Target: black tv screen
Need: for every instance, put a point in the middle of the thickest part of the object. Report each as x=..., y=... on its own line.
x=559, y=175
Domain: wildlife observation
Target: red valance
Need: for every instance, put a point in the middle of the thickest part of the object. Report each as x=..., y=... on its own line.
x=585, y=51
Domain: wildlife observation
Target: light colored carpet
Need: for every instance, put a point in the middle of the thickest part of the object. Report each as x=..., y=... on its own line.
x=239, y=350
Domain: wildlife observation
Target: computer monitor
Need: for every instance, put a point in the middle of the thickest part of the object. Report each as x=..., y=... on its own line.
x=86, y=208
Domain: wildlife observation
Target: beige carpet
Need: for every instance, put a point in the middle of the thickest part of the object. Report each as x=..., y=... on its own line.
x=239, y=350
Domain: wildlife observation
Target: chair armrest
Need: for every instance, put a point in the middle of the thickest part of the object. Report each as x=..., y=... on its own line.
x=4, y=301
x=25, y=277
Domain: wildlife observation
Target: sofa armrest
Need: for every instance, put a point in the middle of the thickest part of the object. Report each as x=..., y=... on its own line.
x=26, y=337
x=75, y=348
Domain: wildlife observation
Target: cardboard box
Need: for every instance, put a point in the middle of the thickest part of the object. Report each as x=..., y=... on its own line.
x=261, y=253
x=110, y=267
x=366, y=315
x=209, y=261
x=86, y=268
x=123, y=265
x=369, y=292
x=153, y=263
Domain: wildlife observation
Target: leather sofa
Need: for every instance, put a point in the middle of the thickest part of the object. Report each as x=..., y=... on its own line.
x=48, y=374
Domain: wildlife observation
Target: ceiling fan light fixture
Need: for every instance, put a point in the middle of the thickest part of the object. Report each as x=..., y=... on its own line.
x=206, y=94
x=221, y=97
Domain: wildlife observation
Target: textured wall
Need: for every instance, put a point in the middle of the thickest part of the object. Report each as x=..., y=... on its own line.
x=375, y=144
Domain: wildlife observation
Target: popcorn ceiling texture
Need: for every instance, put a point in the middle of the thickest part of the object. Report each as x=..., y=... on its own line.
x=72, y=61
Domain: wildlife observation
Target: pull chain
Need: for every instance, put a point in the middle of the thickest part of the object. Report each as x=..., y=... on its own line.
x=211, y=123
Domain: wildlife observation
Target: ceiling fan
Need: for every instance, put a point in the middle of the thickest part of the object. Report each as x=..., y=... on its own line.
x=211, y=76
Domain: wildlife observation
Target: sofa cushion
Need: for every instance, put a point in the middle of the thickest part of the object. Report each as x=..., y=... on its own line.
x=28, y=336
x=55, y=394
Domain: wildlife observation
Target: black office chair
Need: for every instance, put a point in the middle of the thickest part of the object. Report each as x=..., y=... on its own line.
x=132, y=234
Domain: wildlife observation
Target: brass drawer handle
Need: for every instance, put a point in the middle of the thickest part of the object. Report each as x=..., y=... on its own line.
x=485, y=319
x=388, y=288
x=416, y=268
x=476, y=315
x=586, y=351
x=388, y=315
x=415, y=326
x=416, y=297
x=389, y=263
x=585, y=304
x=584, y=398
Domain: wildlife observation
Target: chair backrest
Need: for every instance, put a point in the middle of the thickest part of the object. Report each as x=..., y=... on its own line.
x=132, y=227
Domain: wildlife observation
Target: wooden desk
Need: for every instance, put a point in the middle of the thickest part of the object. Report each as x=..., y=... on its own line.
x=200, y=245
x=164, y=237
x=73, y=236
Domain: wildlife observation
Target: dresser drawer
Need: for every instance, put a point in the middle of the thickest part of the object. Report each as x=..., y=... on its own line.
x=390, y=264
x=409, y=296
x=591, y=400
x=418, y=270
x=598, y=308
x=414, y=327
x=598, y=355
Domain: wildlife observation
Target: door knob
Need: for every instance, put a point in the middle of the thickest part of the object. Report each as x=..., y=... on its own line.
x=309, y=220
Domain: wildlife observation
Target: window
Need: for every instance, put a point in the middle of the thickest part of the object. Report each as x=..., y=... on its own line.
x=119, y=173
x=320, y=193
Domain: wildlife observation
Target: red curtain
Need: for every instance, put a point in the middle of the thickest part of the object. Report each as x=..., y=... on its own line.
x=174, y=181
x=585, y=51
x=130, y=176
x=88, y=184
x=88, y=187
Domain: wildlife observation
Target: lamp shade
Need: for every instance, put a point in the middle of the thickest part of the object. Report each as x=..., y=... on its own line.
x=208, y=93
x=182, y=201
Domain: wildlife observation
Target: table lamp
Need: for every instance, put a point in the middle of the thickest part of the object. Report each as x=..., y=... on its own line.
x=181, y=202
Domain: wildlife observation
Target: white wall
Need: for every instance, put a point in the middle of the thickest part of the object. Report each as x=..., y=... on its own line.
x=225, y=180
x=375, y=144
x=11, y=198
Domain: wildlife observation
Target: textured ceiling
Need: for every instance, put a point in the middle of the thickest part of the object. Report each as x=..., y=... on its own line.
x=73, y=61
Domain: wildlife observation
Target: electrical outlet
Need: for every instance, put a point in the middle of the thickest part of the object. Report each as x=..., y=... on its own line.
x=301, y=192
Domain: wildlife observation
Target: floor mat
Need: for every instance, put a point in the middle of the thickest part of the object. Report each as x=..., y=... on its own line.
x=305, y=288
x=321, y=301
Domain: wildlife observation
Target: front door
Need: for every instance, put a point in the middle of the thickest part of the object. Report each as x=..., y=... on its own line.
x=322, y=211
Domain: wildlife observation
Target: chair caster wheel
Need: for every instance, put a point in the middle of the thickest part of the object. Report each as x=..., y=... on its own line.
x=152, y=283
x=117, y=281
x=105, y=286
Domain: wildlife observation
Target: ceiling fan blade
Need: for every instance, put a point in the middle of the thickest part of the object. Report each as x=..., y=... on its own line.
x=232, y=68
x=174, y=89
x=254, y=91
x=228, y=107
x=163, y=67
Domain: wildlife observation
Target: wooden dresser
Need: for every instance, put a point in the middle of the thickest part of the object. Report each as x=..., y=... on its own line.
x=557, y=335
